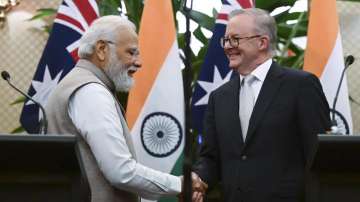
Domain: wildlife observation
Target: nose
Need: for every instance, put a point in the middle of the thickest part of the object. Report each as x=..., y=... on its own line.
x=227, y=48
x=137, y=62
x=227, y=45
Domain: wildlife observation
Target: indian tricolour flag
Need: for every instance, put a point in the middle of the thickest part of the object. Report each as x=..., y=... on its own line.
x=155, y=110
x=324, y=58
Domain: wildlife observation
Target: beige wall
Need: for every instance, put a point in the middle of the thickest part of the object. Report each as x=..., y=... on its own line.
x=349, y=16
x=21, y=45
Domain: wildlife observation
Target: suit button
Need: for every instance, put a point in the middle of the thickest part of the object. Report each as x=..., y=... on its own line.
x=243, y=157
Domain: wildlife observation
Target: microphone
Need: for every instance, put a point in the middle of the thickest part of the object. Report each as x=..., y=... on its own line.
x=5, y=75
x=43, y=121
x=348, y=61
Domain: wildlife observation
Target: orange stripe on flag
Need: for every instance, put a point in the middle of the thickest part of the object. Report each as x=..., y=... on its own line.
x=322, y=33
x=156, y=37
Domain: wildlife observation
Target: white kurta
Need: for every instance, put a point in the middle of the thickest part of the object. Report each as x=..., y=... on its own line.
x=94, y=114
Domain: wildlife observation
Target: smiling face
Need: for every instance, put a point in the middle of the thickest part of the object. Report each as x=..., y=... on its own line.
x=123, y=60
x=127, y=51
x=251, y=47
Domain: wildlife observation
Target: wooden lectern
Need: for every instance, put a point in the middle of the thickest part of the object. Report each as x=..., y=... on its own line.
x=38, y=168
x=335, y=173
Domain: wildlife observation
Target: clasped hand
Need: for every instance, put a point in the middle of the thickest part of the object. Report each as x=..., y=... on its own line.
x=198, y=188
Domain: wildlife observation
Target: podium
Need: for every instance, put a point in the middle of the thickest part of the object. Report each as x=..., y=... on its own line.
x=38, y=168
x=335, y=173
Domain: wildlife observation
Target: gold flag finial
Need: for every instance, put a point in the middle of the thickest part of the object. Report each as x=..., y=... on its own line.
x=6, y=6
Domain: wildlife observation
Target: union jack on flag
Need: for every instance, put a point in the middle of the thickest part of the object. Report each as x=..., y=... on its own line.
x=214, y=71
x=59, y=55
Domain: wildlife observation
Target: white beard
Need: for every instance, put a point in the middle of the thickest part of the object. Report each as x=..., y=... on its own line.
x=118, y=73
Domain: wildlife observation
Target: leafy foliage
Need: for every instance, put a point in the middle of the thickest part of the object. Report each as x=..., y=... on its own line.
x=288, y=53
x=44, y=13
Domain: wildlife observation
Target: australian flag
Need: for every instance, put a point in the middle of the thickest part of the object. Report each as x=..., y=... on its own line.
x=215, y=70
x=59, y=56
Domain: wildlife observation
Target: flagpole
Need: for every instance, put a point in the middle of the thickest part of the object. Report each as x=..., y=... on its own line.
x=187, y=190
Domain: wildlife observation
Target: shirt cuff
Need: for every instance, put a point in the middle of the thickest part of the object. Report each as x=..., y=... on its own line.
x=176, y=184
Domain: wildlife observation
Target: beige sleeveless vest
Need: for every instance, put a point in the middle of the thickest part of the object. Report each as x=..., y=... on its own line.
x=60, y=123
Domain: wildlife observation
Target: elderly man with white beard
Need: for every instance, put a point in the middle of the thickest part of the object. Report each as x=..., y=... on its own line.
x=84, y=104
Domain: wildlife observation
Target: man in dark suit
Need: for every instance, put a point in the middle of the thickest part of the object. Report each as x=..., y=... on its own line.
x=261, y=127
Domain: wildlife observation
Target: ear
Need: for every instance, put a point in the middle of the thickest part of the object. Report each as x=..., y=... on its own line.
x=264, y=42
x=101, y=50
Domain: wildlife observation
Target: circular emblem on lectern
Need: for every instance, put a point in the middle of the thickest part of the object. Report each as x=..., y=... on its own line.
x=161, y=134
x=341, y=122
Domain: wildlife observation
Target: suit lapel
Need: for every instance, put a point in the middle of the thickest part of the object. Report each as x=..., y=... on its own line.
x=268, y=91
x=232, y=105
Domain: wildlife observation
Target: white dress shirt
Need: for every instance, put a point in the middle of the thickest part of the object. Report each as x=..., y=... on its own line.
x=260, y=73
x=93, y=112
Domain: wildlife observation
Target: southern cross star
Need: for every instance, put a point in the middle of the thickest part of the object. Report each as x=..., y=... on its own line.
x=211, y=86
x=43, y=88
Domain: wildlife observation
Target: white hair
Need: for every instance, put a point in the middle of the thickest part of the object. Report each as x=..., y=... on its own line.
x=106, y=28
x=264, y=24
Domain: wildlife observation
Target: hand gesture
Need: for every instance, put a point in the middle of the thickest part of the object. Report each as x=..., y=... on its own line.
x=198, y=187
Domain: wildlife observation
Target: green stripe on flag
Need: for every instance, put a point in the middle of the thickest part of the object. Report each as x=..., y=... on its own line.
x=177, y=170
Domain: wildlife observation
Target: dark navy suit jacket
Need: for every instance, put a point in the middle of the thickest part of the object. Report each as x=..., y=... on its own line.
x=271, y=164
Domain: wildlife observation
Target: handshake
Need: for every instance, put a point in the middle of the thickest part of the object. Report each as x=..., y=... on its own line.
x=198, y=188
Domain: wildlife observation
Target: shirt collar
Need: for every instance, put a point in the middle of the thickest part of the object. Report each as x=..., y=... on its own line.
x=261, y=71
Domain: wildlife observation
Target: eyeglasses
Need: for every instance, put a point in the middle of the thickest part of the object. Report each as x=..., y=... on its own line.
x=235, y=41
